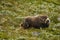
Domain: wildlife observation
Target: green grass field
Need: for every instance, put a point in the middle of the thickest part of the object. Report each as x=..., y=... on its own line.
x=12, y=13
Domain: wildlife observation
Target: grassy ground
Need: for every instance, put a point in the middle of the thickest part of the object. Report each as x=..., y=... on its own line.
x=12, y=13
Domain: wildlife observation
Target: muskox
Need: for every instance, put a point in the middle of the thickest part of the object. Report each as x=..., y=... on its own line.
x=39, y=21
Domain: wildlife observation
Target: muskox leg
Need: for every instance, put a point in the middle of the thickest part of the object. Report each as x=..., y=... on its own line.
x=44, y=25
x=36, y=25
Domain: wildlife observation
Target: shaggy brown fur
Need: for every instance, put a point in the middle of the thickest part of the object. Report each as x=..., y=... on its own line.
x=35, y=21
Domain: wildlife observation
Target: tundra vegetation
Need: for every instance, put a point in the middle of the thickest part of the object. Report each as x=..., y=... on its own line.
x=12, y=13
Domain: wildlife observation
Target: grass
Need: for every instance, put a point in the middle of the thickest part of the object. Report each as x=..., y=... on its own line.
x=12, y=13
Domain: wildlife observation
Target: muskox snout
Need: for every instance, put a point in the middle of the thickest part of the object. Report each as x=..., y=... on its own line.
x=47, y=20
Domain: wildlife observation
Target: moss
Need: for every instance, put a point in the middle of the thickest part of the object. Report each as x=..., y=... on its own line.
x=12, y=13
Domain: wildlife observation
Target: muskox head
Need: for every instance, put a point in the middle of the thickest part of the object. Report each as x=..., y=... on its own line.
x=36, y=22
